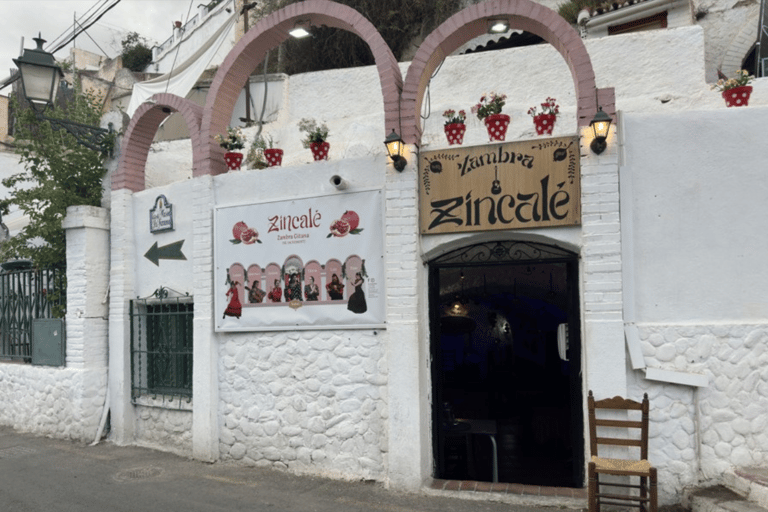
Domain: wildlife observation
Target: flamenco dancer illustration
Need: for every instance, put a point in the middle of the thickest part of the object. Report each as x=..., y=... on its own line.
x=234, y=308
x=311, y=290
x=275, y=294
x=356, y=302
x=335, y=288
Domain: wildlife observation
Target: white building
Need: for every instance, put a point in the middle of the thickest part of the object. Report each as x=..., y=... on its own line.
x=658, y=277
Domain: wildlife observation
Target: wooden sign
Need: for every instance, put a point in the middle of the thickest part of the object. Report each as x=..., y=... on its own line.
x=525, y=184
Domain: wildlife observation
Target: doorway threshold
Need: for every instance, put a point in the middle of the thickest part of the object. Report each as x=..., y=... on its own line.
x=511, y=493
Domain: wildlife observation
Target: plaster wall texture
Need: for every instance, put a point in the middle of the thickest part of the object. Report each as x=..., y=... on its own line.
x=167, y=427
x=59, y=402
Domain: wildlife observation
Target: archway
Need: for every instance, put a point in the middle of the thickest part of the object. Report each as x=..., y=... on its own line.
x=472, y=22
x=141, y=131
x=506, y=353
x=268, y=33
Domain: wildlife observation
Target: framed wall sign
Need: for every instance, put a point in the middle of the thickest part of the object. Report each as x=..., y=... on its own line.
x=525, y=184
x=310, y=263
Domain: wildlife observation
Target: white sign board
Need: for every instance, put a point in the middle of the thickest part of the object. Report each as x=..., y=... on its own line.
x=311, y=263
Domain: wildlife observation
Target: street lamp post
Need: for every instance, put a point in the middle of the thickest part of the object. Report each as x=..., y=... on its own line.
x=40, y=78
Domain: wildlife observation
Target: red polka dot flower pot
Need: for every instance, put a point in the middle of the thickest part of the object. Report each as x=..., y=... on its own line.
x=319, y=150
x=454, y=126
x=544, y=121
x=736, y=90
x=234, y=160
x=274, y=157
x=231, y=142
x=488, y=110
x=454, y=132
x=497, y=125
x=738, y=96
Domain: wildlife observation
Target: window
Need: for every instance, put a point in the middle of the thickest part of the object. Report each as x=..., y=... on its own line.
x=649, y=23
x=161, y=347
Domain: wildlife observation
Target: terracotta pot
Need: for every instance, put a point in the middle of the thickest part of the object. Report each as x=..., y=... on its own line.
x=274, y=157
x=319, y=150
x=233, y=160
x=544, y=123
x=738, y=96
x=497, y=126
x=455, y=133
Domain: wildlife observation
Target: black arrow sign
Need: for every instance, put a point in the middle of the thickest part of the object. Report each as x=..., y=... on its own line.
x=166, y=252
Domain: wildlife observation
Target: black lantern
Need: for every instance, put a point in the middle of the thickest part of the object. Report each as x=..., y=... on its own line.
x=600, y=124
x=395, y=150
x=40, y=78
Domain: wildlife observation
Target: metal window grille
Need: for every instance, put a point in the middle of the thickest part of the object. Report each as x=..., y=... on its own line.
x=26, y=295
x=161, y=346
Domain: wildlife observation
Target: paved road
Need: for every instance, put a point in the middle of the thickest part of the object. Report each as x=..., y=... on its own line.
x=47, y=475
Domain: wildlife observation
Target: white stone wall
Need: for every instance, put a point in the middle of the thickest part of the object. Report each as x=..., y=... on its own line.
x=58, y=402
x=165, y=426
x=730, y=415
x=306, y=401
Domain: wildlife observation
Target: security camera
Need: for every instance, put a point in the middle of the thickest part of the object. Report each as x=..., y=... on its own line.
x=338, y=182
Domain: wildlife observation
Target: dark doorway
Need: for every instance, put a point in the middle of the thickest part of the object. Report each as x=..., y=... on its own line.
x=506, y=356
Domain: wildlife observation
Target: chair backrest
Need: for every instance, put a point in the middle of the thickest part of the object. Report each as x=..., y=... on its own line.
x=634, y=425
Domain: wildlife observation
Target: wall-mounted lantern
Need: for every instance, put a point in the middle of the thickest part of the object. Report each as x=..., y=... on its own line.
x=600, y=124
x=395, y=150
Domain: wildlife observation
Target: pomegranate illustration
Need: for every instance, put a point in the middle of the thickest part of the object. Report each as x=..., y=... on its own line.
x=352, y=218
x=339, y=228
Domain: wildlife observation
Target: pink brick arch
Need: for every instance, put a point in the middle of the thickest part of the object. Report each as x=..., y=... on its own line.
x=472, y=22
x=141, y=131
x=268, y=33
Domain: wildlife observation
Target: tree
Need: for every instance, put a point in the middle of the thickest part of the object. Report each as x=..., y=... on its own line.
x=136, y=54
x=58, y=173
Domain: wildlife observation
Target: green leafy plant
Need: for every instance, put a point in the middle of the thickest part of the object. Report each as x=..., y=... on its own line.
x=255, y=158
x=452, y=117
x=58, y=173
x=550, y=106
x=742, y=78
x=232, y=140
x=136, y=54
x=317, y=133
x=489, y=105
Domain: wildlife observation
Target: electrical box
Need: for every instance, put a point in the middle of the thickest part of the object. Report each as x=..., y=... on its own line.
x=48, y=344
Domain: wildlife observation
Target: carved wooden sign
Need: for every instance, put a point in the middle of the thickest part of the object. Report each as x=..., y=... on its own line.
x=525, y=184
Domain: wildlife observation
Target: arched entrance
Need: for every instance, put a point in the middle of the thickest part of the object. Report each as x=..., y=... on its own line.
x=504, y=379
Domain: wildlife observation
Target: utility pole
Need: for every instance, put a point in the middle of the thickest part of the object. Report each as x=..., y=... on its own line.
x=247, y=119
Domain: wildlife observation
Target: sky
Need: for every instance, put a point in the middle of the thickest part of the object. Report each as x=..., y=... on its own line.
x=152, y=19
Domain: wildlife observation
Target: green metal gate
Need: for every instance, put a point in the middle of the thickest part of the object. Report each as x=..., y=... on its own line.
x=26, y=295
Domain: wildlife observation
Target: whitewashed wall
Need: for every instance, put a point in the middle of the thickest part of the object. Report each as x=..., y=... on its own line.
x=251, y=389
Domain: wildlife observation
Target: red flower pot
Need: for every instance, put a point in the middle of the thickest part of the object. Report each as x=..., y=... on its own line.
x=233, y=160
x=274, y=157
x=738, y=96
x=319, y=150
x=497, y=126
x=455, y=133
x=544, y=123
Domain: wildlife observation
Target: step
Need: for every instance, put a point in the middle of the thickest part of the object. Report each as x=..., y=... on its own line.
x=718, y=498
x=750, y=482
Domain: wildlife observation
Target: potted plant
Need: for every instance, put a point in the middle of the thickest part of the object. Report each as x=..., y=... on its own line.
x=316, y=135
x=545, y=121
x=488, y=110
x=231, y=141
x=735, y=90
x=454, y=126
x=263, y=154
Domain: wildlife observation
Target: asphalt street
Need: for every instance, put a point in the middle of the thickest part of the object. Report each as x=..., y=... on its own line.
x=39, y=474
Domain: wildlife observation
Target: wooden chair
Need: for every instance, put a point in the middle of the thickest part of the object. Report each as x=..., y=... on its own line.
x=629, y=434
